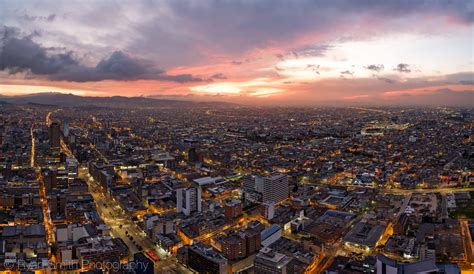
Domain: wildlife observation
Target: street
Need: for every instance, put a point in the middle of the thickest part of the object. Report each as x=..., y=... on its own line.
x=123, y=227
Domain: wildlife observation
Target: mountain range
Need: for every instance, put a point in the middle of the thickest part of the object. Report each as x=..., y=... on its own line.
x=70, y=100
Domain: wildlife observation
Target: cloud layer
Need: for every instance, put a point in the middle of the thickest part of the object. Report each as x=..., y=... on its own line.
x=21, y=54
x=292, y=51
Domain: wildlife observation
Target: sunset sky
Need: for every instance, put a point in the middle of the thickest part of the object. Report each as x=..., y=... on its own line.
x=268, y=52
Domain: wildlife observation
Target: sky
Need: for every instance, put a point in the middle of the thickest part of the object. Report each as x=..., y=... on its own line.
x=250, y=51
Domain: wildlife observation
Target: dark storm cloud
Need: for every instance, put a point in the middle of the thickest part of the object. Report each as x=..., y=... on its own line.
x=375, y=67
x=22, y=54
x=122, y=67
x=261, y=23
x=118, y=66
x=230, y=27
x=405, y=68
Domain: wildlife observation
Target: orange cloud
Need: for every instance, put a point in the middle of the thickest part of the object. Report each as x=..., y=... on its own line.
x=356, y=97
x=12, y=90
x=266, y=92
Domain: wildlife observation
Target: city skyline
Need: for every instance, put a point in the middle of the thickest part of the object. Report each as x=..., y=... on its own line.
x=247, y=52
x=182, y=187
x=237, y=136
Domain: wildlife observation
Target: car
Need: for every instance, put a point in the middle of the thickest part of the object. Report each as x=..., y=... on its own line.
x=152, y=255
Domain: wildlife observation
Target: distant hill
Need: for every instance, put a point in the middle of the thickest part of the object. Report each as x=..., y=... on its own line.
x=70, y=100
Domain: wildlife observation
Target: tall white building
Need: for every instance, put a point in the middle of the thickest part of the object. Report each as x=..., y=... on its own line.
x=274, y=188
x=66, y=129
x=269, y=210
x=188, y=200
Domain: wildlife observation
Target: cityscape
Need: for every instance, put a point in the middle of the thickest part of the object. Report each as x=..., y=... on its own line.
x=268, y=137
x=233, y=189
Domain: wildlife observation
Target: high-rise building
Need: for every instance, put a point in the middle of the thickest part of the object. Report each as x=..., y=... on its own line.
x=57, y=202
x=232, y=209
x=234, y=247
x=195, y=156
x=137, y=186
x=274, y=188
x=252, y=241
x=205, y=259
x=66, y=129
x=50, y=180
x=54, y=135
x=188, y=200
x=269, y=262
x=401, y=225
